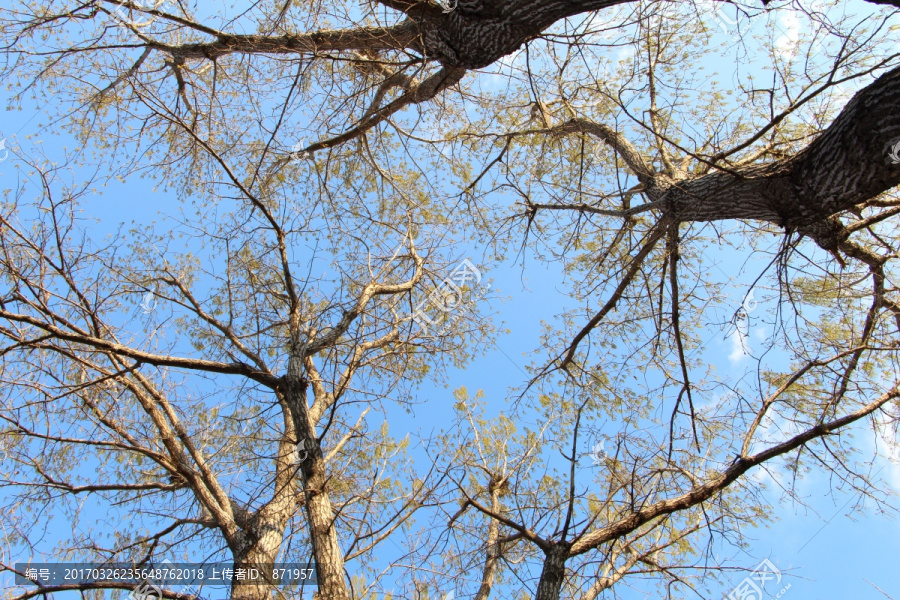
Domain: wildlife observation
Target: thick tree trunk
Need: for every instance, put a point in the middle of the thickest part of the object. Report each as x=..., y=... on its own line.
x=553, y=573
x=477, y=33
x=329, y=557
x=323, y=534
x=492, y=560
x=474, y=35
x=261, y=533
x=845, y=166
x=260, y=587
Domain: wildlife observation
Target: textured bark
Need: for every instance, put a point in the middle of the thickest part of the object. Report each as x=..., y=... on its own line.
x=320, y=515
x=263, y=551
x=492, y=560
x=262, y=533
x=553, y=573
x=846, y=165
x=329, y=558
x=362, y=38
x=479, y=32
x=474, y=35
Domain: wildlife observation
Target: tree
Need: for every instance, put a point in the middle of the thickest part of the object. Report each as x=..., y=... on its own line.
x=372, y=141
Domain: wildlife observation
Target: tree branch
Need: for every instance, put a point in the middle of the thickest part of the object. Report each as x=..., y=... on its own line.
x=741, y=465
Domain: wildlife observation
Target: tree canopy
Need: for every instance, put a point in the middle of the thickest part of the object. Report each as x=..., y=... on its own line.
x=333, y=176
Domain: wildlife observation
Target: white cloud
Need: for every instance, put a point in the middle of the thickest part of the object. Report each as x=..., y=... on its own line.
x=789, y=24
x=739, y=340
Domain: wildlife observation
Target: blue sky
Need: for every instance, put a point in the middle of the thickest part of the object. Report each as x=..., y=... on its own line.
x=827, y=550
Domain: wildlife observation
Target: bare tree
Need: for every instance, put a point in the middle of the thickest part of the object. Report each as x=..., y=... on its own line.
x=141, y=406
x=375, y=145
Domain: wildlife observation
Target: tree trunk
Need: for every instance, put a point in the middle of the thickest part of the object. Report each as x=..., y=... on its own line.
x=477, y=33
x=553, y=574
x=328, y=555
x=261, y=534
x=848, y=164
x=492, y=561
x=261, y=587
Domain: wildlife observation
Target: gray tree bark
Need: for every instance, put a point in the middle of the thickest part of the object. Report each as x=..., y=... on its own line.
x=320, y=515
x=553, y=573
x=845, y=166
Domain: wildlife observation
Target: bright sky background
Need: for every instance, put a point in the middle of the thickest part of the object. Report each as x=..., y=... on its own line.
x=827, y=551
